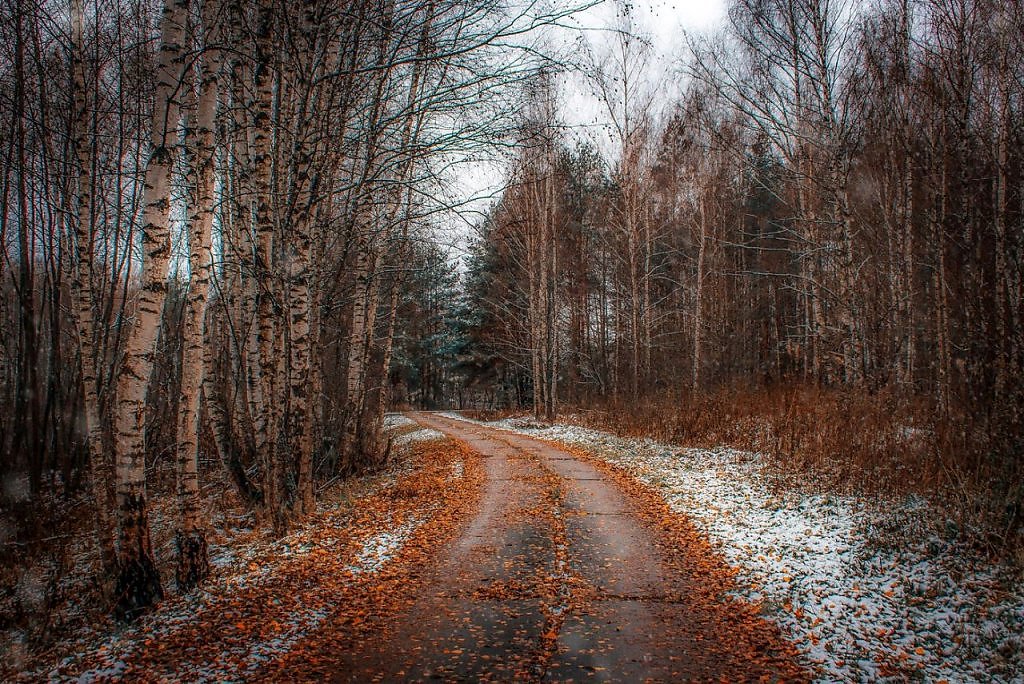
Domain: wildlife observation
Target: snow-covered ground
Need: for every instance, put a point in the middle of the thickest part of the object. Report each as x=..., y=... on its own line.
x=393, y=421
x=405, y=430
x=421, y=435
x=867, y=590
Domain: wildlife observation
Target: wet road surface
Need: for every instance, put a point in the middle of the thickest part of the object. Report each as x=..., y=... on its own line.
x=555, y=578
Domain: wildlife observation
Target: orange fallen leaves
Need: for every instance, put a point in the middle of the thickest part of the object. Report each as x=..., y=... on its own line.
x=729, y=627
x=313, y=572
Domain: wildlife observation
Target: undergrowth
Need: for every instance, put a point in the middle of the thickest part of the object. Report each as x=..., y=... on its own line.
x=851, y=442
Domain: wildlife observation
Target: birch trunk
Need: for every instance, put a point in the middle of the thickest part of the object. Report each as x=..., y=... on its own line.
x=265, y=365
x=389, y=340
x=300, y=198
x=552, y=318
x=138, y=585
x=541, y=341
x=535, y=286
x=81, y=286
x=300, y=299
x=193, y=563
x=237, y=297
x=357, y=350
x=549, y=287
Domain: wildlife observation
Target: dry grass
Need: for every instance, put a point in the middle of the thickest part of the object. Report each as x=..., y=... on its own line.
x=851, y=442
x=475, y=414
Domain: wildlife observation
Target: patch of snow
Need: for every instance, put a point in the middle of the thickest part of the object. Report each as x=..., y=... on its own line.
x=378, y=549
x=457, y=471
x=115, y=651
x=867, y=590
x=114, y=671
x=393, y=421
x=222, y=556
x=421, y=435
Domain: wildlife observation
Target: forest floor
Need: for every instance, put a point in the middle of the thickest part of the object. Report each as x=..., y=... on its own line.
x=866, y=588
x=514, y=550
x=481, y=555
x=347, y=567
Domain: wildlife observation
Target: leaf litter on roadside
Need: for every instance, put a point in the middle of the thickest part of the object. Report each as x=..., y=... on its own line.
x=346, y=567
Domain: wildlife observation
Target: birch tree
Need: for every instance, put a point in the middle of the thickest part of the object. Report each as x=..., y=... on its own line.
x=82, y=287
x=193, y=565
x=139, y=584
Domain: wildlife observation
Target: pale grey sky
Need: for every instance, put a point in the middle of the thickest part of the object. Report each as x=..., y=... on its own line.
x=662, y=22
x=662, y=19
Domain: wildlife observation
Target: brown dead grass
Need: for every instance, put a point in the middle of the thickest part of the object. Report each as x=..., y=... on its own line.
x=853, y=442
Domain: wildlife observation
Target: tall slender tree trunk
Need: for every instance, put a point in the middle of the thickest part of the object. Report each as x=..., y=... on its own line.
x=300, y=197
x=265, y=400
x=907, y=294
x=535, y=285
x=81, y=287
x=363, y=310
x=1005, y=332
x=636, y=326
x=698, y=314
x=139, y=585
x=853, y=343
x=389, y=343
x=27, y=391
x=940, y=302
x=542, y=341
x=193, y=564
x=549, y=285
x=647, y=309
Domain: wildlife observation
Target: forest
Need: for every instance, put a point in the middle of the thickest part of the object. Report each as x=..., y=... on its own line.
x=236, y=236
x=820, y=238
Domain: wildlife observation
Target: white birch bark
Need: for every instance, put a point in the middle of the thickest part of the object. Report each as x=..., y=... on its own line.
x=81, y=287
x=139, y=582
x=193, y=564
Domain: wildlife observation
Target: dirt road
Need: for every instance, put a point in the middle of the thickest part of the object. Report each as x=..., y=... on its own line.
x=557, y=578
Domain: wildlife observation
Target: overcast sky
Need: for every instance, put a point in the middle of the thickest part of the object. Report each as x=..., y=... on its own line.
x=661, y=22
